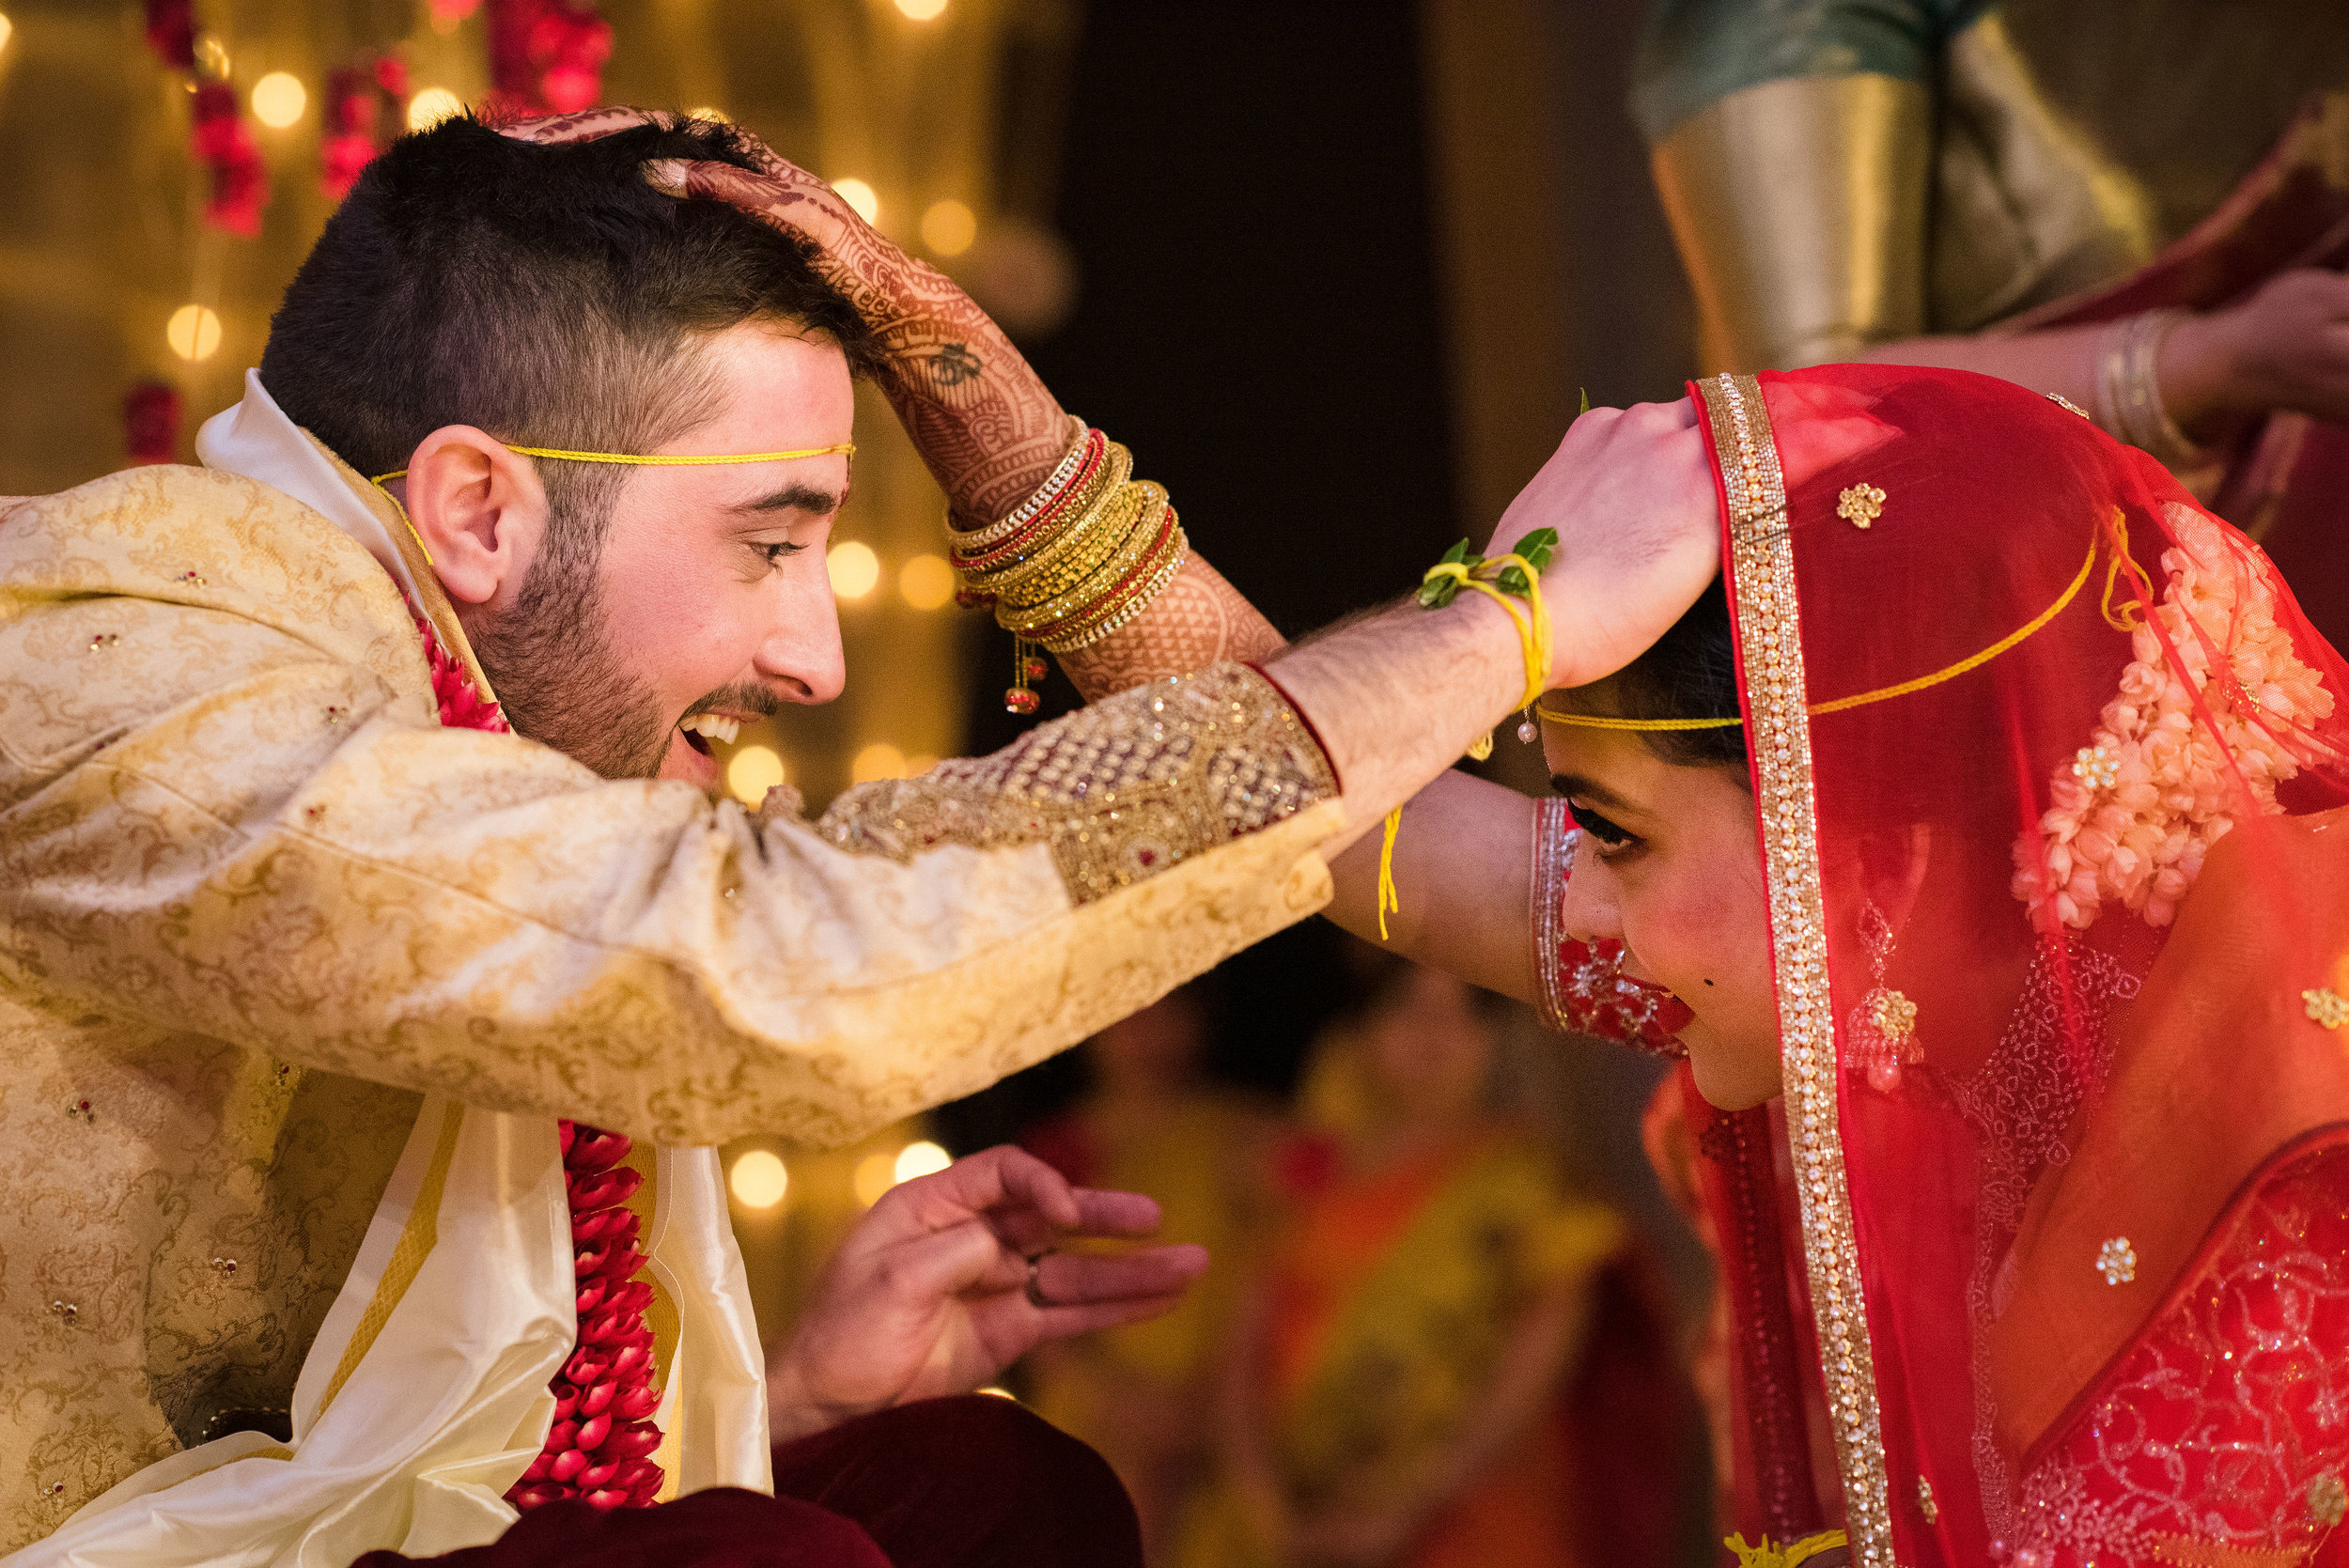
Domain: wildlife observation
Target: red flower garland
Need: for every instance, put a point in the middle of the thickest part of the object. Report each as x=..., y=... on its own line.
x=220, y=138
x=598, y=1448
x=171, y=32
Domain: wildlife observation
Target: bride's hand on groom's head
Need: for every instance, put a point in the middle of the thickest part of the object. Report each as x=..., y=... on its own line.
x=1630, y=493
x=776, y=189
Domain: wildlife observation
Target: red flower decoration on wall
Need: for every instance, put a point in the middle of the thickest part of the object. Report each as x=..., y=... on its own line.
x=547, y=55
x=151, y=423
x=171, y=32
x=221, y=139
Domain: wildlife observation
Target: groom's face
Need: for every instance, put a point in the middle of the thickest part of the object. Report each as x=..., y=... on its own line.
x=709, y=603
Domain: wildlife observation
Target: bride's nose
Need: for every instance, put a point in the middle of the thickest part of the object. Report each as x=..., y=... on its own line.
x=1588, y=912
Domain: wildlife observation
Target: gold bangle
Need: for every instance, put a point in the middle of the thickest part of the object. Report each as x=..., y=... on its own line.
x=1161, y=575
x=1062, y=473
x=1080, y=537
x=1107, y=531
x=1112, y=592
x=1082, y=492
x=1054, y=613
x=1135, y=543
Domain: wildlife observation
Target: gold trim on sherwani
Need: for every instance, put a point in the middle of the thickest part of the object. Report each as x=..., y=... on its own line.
x=1760, y=565
x=1119, y=791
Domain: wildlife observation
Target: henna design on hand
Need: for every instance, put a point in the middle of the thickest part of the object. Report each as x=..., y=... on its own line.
x=1199, y=620
x=985, y=423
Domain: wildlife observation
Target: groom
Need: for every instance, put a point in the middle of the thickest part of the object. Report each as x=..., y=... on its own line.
x=351, y=837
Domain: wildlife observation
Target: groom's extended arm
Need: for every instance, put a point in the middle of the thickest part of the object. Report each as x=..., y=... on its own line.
x=991, y=433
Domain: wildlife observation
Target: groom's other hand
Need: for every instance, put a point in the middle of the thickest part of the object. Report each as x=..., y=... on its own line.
x=952, y=1277
x=1630, y=492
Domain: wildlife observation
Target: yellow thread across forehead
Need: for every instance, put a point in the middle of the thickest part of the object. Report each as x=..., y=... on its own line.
x=1973, y=661
x=637, y=459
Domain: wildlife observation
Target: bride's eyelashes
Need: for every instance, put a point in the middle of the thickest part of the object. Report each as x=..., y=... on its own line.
x=1608, y=834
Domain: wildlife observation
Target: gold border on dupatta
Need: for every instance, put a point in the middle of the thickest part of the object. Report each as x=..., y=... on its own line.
x=1769, y=633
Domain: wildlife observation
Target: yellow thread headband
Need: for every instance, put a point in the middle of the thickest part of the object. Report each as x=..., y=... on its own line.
x=631, y=459
x=1597, y=721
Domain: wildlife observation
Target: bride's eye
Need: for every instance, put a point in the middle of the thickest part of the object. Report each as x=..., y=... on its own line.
x=1608, y=834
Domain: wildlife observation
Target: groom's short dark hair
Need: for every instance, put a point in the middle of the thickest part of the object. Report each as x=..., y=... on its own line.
x=546, y=294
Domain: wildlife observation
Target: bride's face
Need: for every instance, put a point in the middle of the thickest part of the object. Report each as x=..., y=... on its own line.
x=1669, y=866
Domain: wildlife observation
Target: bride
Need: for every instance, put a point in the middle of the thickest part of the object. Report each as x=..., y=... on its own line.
x=1977, y=839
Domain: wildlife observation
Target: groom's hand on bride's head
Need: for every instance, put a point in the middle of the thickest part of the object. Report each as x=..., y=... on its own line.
x=1630, y=493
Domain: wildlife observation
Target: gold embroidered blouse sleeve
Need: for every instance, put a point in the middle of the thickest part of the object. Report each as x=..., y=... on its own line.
x=226, y=806
x=1800, y=209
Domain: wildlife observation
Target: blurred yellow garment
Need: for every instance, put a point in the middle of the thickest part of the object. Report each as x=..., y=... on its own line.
x=1194, y=1159
x=1391, y=1295
x=1138, y=1393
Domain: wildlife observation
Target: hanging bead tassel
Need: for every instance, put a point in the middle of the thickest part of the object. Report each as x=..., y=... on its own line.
x=1025, y=667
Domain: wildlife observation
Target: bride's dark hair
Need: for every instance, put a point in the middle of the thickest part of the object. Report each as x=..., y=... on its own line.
x=1690, y=673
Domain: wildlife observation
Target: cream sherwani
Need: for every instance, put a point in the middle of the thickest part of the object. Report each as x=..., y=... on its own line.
x=293, y=982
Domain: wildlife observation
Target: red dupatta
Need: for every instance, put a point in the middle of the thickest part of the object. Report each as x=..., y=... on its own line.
x=2071, y=1285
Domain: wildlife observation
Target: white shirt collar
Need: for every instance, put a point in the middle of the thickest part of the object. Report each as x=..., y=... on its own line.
x=255, y=440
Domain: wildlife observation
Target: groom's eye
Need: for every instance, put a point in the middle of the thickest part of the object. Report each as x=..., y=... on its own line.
x=1609, y=834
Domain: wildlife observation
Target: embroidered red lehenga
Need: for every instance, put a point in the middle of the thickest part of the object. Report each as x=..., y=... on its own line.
x=2066, y=1281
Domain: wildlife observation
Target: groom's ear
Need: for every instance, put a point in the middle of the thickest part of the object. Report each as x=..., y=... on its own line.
x=480, y=511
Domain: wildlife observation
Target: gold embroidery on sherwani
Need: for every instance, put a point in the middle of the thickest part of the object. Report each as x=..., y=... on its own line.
x=1122, y=790
x=1769, y=631
x=469, y=914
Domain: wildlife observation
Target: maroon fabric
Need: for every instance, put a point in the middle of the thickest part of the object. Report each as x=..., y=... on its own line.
x=1631, y=1419
x=975, y=1482
x=720, y=1529
x=971, y=1482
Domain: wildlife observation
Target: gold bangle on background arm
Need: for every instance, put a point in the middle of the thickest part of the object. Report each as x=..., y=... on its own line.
x=1077, y=560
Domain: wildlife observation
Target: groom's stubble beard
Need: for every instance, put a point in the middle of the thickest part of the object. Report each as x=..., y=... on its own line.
x=552, y=662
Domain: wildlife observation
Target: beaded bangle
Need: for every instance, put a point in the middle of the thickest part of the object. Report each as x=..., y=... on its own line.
x=1083, y=492
x=1132, y=543
x=1128, y=590
x=1077, y=546
x=1136, y=603
x=1093, y=543
x=1087, y=442
x=1077, y=560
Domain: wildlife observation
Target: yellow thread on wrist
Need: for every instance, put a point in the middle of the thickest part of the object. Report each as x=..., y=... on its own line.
x=1387, y=897
x=1533, y=642
x=1792, y=1554
x=1533, y=632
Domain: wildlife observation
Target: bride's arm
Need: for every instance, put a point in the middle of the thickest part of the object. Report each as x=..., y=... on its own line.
x=991, y=433
x=1461, y=859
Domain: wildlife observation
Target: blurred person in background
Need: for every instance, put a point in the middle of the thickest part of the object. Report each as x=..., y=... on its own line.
x=1447, y=1356
x=1154, y=1121
x=2142, y=206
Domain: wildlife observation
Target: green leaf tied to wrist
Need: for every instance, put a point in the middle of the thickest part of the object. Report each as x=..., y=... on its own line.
x=1538, y=548
x=1437, y=592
